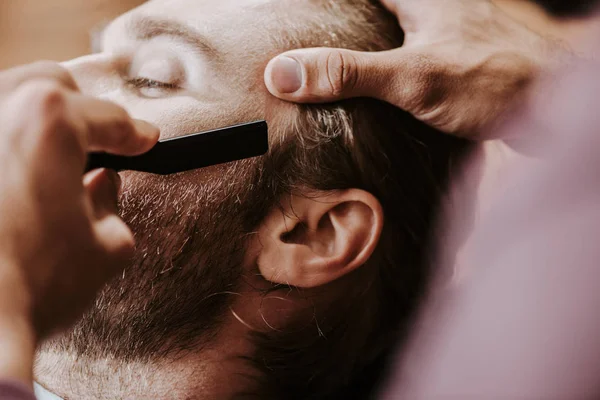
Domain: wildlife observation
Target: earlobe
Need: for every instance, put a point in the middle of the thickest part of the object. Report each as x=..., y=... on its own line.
x=315, y=239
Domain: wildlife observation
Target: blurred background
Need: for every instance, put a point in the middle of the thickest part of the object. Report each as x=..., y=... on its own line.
x=52, y=29
x=61, y=29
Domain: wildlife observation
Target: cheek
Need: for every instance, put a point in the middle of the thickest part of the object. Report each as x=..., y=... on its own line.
x=175, y=116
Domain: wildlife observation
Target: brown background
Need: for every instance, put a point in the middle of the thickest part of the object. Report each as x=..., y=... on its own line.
x=60, y=29
x=52, y=29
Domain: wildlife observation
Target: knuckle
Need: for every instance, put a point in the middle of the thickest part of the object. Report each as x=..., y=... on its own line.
x=50, y=122
x=55, y=70
x=425, y=70
x=120, y=128
x=342, y=72
x=427, y=86
x=46, y=99
x=12, y=79
x=47, y=65
x=43, y=93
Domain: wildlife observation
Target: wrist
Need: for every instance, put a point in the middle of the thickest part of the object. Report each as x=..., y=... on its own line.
x=17, y=336
x=17, y=346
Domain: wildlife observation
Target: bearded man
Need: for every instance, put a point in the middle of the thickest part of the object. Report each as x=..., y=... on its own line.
x=285, y=276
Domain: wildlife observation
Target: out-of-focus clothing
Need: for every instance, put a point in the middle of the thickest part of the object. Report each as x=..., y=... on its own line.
x=12, y=390
x=523, y=322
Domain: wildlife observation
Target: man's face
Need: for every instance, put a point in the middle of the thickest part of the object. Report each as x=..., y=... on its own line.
x=186, y=66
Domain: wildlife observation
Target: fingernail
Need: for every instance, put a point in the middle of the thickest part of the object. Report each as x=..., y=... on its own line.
x=145, y=128
x=286, y=74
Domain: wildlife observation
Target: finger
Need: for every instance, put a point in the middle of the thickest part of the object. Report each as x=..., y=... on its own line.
x=111, y=129
x=321, y=75
x=112, y=234
x=411, y=12
x=38, y=120
x=45, y=70
x=102, y=188
x=420, y=15
x=390, y=5
x=325, y=75
x=116, y=239
x=61, y=126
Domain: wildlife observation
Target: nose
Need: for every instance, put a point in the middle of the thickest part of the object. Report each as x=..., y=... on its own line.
x=95, y=74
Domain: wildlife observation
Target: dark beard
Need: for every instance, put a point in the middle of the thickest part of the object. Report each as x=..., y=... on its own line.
x=190, y=231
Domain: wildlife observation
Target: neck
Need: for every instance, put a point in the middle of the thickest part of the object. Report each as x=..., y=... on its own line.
x=191, y=375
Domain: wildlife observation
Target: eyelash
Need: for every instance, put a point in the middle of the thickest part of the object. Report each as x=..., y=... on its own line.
x=146, y=83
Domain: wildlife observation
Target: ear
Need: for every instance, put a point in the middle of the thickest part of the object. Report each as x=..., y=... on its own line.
x=313, y=240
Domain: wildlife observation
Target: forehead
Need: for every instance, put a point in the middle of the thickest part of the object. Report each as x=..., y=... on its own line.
x=219, y=19
x=223, y=47
x=208, y=6
x=245, y=33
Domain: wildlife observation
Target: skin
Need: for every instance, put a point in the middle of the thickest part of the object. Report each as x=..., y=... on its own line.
x=460, y=77
x=463, y=63
x=538, y=242
x=108, y=84
x=48, y=128
x=215, y=80
x=216, y=92
x=570, y=30
x=212, y=92
x=475, y=341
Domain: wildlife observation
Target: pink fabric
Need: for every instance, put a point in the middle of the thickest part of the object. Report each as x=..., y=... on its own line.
x=525, y=322
x=12, y=390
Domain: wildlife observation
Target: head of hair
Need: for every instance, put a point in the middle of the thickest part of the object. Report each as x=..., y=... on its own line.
x=354, y=323
x=173, y=298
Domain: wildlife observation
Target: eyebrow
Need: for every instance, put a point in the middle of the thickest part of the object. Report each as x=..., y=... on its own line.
x=149, y=28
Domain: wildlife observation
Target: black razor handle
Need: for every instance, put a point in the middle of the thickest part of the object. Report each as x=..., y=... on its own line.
x=197, y=150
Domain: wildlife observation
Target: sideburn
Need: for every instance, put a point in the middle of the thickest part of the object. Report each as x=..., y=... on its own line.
x=190, y=241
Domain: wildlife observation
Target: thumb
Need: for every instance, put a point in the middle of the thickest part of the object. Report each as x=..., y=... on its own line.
x=403, y=77
x=322, y=75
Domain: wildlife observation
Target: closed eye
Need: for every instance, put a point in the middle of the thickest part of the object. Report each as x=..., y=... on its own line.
x=147, y=83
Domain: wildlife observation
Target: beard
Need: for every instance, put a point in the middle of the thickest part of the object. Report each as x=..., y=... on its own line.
x=190, y=232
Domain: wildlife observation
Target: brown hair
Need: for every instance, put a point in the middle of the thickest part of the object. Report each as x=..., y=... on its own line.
x=364, y=144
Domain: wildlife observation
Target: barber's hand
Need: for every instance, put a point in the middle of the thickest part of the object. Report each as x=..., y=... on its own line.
x=463, y=62
x=61, y=238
